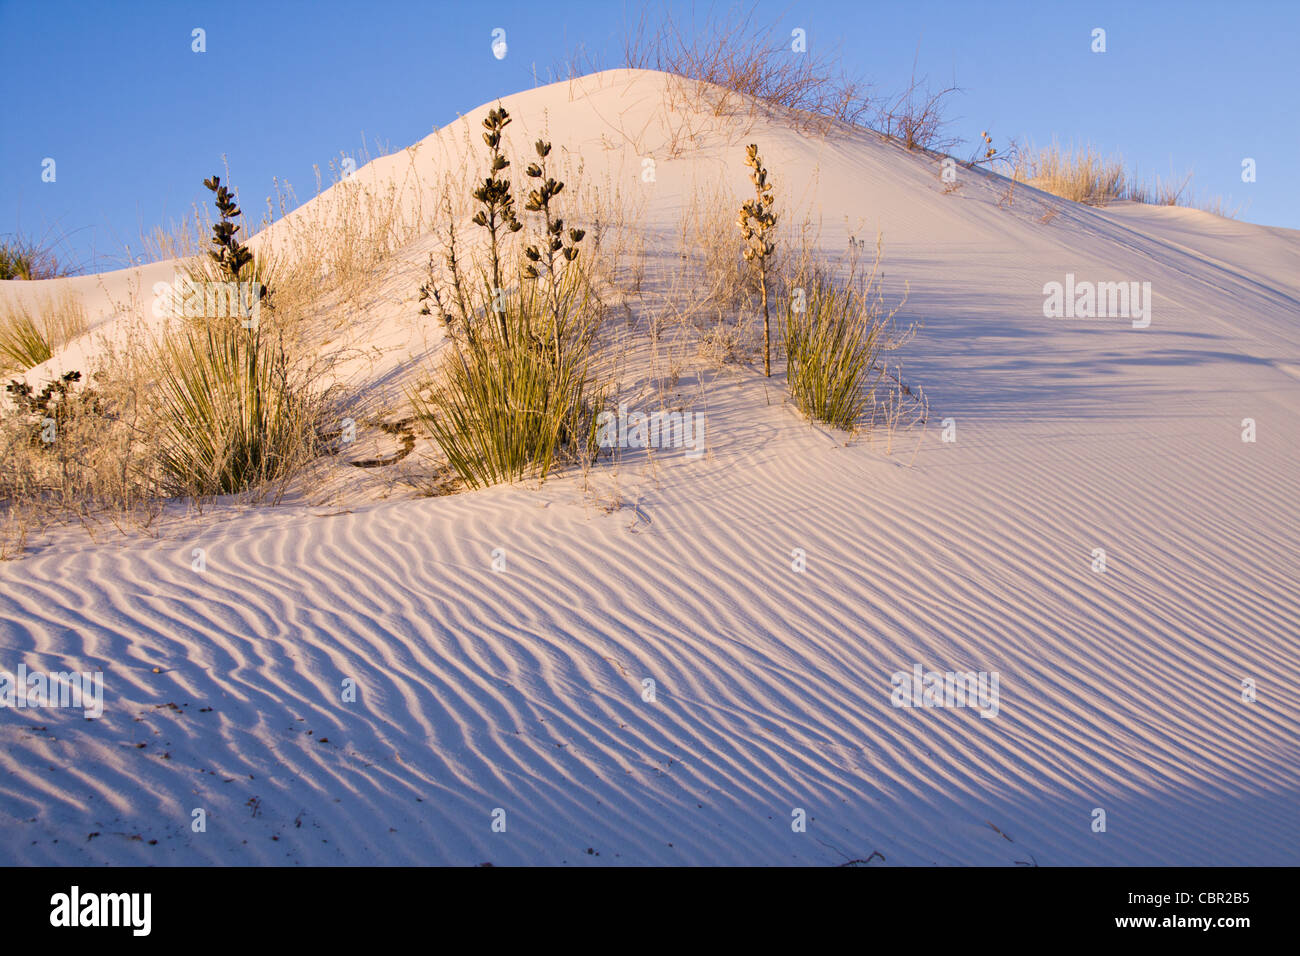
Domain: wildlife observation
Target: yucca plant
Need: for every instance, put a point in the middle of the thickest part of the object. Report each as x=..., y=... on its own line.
x=23, y=344
x=756, y=221
x=21, y=258
x=27, y=339
x=515, y=396
x=503, y=408
x=231, y=418
x=831, y=349
x=232, y=414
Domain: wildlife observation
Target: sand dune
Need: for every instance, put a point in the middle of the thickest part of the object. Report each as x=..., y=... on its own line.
x=522, y=689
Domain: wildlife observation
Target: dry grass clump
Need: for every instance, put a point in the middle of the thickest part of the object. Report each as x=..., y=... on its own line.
x=1218, y=206
x=1161, y=192
x=833, y=323
x=1084, y=175
x=705, y=293
x=27, y=339
x=1081, y=174
x=719, y=283
x=341, y=245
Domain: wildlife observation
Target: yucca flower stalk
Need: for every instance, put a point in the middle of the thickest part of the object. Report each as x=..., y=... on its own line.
x=756, y=221
x=459, y=324
x=230, y=255
x=498, y=204
x=552, y=249
x=429, y=292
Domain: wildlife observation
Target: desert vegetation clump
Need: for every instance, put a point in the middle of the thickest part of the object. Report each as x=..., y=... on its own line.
x=210, y=403
x=24, y=258
x=76, y=451
x=517, y=394
x=836, y=335
x=1083, y=174
x=232, y=412
x=917, y=117
x=835, y=331
x=1080, y=174
x=732, y=63
x=735, y=64
x=29, y=337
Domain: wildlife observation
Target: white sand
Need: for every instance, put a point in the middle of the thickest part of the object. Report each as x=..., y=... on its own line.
x=522, y=690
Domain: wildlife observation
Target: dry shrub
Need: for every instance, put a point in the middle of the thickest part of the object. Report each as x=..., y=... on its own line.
x=916, y=117
x=734, y=59
x=612, y=214
x=80, y=450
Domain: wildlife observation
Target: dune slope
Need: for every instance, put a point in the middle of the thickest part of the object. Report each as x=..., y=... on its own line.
x=519, y=694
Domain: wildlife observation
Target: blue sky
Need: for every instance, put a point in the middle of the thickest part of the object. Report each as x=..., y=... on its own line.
x=134, y=119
